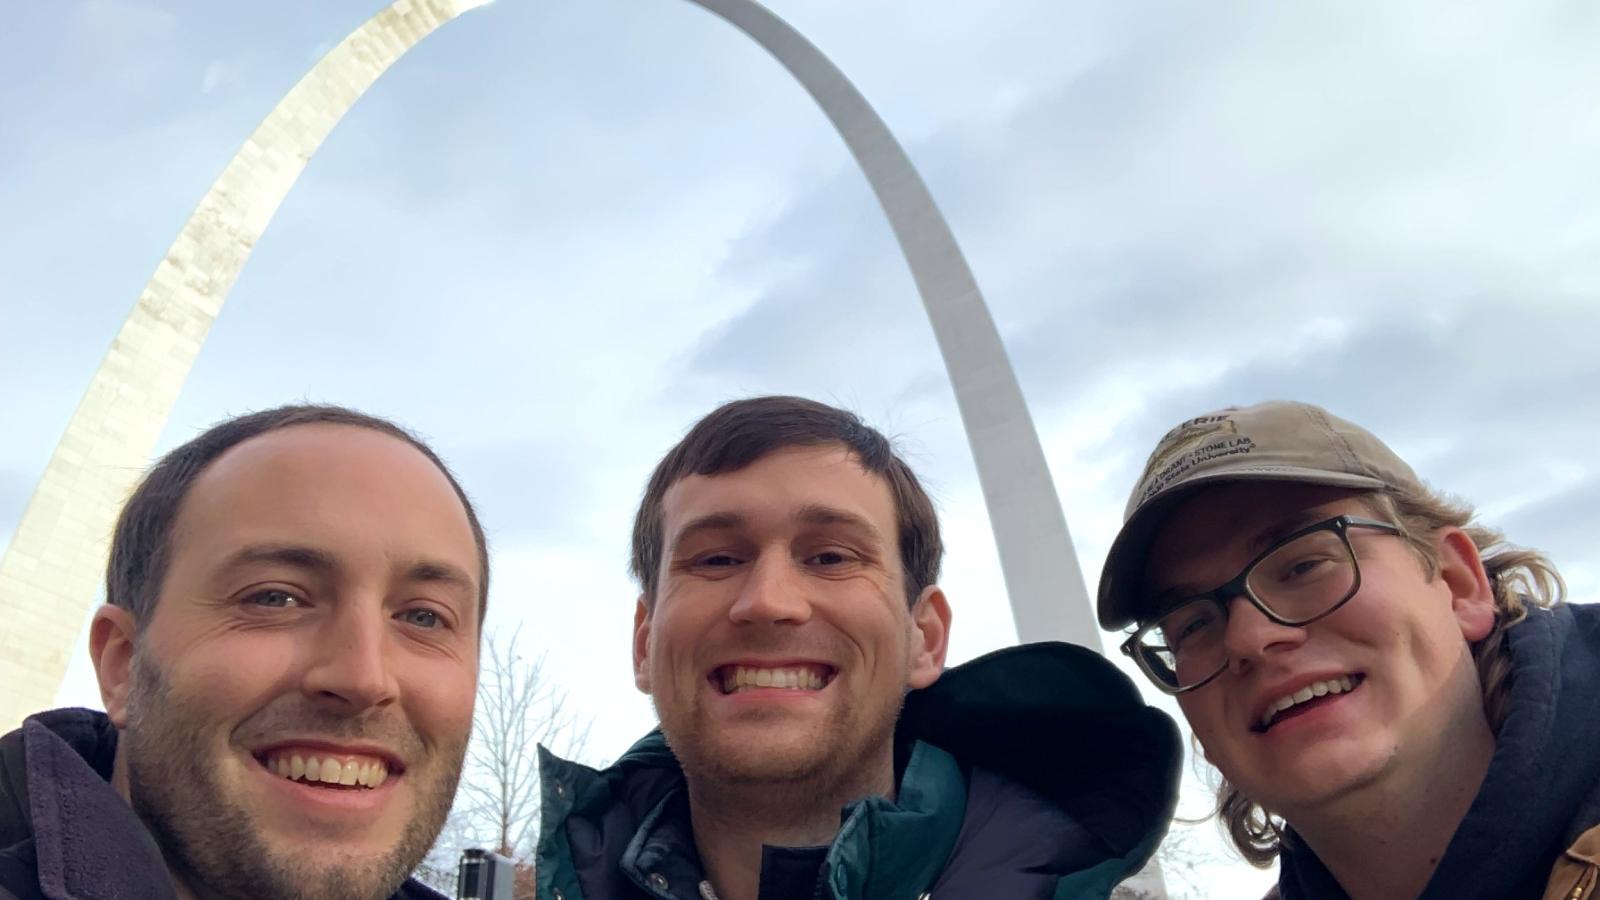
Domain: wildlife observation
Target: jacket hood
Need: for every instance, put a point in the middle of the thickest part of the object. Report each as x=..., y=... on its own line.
x=1064, y=721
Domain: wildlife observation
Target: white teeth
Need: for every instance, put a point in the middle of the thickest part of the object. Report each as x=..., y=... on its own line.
x=348, y=771
x=805, y=678
x=1315, y=689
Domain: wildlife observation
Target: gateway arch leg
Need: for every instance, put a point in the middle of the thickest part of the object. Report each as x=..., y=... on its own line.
x=1048, y=597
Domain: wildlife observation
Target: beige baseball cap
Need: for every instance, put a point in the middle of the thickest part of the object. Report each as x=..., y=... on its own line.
x=1274, y=441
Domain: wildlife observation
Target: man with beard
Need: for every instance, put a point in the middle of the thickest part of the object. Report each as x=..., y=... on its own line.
x=288, y=658
x=792, y=637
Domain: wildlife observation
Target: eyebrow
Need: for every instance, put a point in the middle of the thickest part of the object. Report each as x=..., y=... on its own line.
x=437, y=572
x=815, y=514
x=296, y=556
x=1270, y=535
x=300, y=556
x=717, y=521
x=1163, y=599
x=820, y=514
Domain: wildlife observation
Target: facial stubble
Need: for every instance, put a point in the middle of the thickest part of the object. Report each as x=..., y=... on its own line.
x=839, y=760
x=212, y=840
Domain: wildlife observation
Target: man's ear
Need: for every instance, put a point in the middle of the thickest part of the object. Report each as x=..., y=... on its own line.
x=930, y=636
x=1471, y=595
x=112, y=636
x=641, y=646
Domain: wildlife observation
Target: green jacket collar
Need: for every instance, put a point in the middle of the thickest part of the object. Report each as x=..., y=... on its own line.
x=883, y=850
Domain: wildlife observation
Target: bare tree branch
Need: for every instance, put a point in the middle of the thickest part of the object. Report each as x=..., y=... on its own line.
x=518, y=708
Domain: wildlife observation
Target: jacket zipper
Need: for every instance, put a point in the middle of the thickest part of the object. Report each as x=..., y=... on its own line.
x=1585, y=883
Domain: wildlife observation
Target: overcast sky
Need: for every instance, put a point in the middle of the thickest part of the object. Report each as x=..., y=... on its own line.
x=559, y=231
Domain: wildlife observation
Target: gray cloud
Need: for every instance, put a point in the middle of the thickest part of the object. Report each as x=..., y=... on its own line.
x=1414, y=380
x=1567, y=525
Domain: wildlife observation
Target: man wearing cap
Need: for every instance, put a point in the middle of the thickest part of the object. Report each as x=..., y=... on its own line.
x=791, y=635
x=1398, y=701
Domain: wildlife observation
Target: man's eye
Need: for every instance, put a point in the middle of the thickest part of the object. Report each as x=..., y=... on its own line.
x=718, y=559
x=274, y=599
x=829, y=558
x=423, y=618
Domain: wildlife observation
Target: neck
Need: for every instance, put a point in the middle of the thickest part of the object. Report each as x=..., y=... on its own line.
x=1385, y=840
x=733, y=822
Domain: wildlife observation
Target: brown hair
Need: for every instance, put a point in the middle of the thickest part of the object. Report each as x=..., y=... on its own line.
x=141, y=543
x=739, y=433
x=1519, y=577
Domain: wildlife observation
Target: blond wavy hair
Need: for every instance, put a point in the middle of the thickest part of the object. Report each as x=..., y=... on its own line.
x=1520, y=577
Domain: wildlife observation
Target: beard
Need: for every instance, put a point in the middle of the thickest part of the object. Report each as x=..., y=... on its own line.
x=213, y=843
x=847, y=756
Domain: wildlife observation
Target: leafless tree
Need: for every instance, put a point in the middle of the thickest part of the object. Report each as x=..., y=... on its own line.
x=518, y=709
x=1176, y=872
x=497, y=806
x=1146, y=884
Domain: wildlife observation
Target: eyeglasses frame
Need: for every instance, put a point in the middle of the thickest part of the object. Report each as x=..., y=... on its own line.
x=1239, y=586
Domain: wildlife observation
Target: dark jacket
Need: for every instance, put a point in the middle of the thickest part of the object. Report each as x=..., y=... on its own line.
x=65, y=833
x=1033, y=772
x=1533, y=825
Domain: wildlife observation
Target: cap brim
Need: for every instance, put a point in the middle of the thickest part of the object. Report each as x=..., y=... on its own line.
x=1123, y=570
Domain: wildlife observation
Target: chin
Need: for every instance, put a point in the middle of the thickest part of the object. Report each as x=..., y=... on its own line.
x=766, y=764
x=1319, y=781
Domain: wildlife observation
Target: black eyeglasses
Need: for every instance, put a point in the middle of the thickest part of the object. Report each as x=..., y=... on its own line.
x=1295, y=582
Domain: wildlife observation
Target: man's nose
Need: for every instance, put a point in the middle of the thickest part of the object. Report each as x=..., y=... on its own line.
x=774, y=591
x=1251, y=636
x=351, y=665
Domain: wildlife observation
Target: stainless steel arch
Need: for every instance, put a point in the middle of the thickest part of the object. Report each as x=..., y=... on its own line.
x=49, y=574
x=1049, y=600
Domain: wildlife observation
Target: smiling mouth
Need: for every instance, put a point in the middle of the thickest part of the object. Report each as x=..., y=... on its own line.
x=325, y=770
x=805, y=677
x=1306, y=699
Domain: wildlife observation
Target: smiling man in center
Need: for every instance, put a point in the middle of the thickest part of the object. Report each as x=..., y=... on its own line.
x=792, y=636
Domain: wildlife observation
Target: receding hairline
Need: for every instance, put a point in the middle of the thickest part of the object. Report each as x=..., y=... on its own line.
x=427, y=568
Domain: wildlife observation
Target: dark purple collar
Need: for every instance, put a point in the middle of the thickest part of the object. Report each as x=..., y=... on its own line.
x=88, y=841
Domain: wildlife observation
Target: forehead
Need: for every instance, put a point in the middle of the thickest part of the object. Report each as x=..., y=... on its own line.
x=1229, y=523
x=781, y=483
x=323, y=483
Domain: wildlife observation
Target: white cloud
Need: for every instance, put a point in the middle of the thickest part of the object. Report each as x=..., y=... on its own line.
x=557, y=233
x=219, y=74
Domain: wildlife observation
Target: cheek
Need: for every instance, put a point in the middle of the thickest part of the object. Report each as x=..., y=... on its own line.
x=236, y=677
x=439, y=697
x=1205, y=716
x=674, y=634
